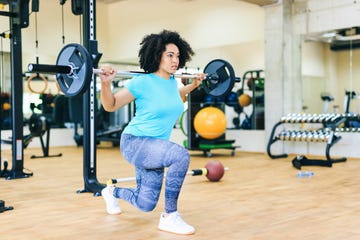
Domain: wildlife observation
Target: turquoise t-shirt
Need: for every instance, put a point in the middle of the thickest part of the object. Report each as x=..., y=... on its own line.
x=157, y=106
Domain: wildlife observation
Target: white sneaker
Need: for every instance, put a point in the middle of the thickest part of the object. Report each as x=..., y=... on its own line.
x=173, y=223
x=112, y=206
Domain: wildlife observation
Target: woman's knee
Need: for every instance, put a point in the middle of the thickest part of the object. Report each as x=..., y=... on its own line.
x=146, y=207
x=185, y=157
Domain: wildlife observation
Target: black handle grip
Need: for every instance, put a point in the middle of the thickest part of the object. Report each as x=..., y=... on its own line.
x=196, y=172
x=50, y=69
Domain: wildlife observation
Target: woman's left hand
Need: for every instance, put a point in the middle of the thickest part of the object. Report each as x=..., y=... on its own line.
x=198, y=79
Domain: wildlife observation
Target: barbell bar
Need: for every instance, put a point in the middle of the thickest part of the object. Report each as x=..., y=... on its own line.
x=69, y=70
x=194, y=172
x=74, y=70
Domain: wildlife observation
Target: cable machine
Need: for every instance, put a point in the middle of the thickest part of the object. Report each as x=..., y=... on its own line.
x=19, y=18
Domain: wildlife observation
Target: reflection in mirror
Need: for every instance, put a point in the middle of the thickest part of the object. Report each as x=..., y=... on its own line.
x=329, y=73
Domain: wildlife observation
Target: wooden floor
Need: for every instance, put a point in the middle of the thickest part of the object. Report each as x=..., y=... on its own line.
x=258, y=198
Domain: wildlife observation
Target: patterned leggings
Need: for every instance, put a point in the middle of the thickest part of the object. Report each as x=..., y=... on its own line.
x=150, y=156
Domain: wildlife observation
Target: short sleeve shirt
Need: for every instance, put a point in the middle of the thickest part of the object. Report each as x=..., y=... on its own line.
x=158, y=105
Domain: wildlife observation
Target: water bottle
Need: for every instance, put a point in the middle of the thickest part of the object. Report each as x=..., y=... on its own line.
x=304, y=174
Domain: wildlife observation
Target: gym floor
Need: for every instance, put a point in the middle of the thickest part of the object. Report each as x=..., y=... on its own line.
x=258, y=198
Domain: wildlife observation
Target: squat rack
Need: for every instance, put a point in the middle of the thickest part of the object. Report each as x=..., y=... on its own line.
x=91, y=184
x=19, y=18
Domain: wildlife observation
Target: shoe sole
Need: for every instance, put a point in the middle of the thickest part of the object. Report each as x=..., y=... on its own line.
x=114, y=213
x=190, y=233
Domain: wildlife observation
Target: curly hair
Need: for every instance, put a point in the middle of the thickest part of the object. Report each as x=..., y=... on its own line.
x=153, y=45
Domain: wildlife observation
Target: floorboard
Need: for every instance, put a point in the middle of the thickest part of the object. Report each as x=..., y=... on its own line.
x=258, y=198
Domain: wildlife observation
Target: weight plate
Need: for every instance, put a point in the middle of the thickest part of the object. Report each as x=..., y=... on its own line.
x=222, y=78
x=37, y=125
x=77, y=82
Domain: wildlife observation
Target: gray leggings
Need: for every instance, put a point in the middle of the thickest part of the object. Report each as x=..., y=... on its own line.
x=150, y=156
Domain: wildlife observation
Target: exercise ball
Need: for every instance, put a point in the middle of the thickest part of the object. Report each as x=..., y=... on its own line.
x=232, y=99
x=209, y=100
x=210, y=122
x=249, y=83
x=6, y=106
x=215, y=170
x=244, y=100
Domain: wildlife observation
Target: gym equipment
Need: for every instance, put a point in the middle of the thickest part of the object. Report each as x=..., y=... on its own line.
x=6, y=106
x=349, y=96
x=232, y=99
x=301, y=160
x=74, y=68
x=210, y=122
x=251, y=98
x=256, y=82
x=326, y=135
x=183, y=122
x=36, y=77
x=3, y=208
x=213, y=170
x=326, y=98
x=244, y=100
x=198, y=100
x=209, y=100
x=18, y=18
x=220, y=79
x=5, y=116
x=103, y=130
x=39, y=125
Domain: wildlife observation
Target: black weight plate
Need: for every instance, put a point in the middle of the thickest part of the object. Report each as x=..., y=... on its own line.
x=76, y=56
x=225, y=75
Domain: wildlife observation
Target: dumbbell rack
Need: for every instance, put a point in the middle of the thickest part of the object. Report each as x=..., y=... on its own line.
x=327, y=134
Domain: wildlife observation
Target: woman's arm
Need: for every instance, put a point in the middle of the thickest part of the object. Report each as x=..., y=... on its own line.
x=190, y=87
x=111, y=102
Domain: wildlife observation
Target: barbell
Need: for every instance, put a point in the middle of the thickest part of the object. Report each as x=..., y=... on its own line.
x=213, y=170
x=74, y=70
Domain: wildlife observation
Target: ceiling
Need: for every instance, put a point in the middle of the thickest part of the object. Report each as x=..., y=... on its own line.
x=262, y=2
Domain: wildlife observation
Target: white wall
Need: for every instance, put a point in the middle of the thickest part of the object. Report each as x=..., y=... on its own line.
x=204, y=23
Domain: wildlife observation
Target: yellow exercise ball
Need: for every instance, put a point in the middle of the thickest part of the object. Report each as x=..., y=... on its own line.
x=210, y=122
x=6, y=106
x=244, y=100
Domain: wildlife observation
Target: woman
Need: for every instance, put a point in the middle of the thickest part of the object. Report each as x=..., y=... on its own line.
x=145, y=140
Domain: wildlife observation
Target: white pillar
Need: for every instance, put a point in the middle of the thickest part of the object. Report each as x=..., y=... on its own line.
x=283, y=91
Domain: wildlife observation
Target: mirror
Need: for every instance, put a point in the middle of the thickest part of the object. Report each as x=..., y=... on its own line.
x=329, y=71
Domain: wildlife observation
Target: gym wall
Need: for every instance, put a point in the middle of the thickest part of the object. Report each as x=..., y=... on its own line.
x=228, y=29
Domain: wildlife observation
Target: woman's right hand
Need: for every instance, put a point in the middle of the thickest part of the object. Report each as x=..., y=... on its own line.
x=107, y=75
